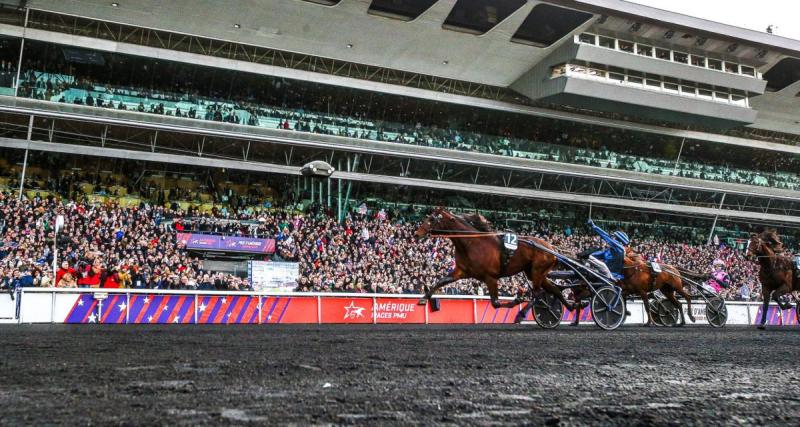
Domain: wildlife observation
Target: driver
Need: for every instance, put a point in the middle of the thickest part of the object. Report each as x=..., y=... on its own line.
x=719, y=278
x=612, y=258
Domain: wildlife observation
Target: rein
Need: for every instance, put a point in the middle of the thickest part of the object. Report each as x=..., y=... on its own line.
x=455, y=234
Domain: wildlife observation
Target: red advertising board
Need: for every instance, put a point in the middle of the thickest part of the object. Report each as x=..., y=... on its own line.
x=347, y=310
x=396, y=310
x=289, y=309
x=452, y=311
x=488, y=314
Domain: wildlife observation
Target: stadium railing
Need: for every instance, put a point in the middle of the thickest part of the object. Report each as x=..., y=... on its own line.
x=272, y=117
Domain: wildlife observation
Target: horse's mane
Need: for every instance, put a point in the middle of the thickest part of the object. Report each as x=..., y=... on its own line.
x=478, y=221
x=772, y=239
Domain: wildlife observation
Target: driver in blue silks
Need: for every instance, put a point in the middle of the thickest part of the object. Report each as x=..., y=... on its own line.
x=612, y=258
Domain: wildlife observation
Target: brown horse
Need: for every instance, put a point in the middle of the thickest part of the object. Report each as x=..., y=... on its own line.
x=639, y=279
x=478, y=253
x=777, y=272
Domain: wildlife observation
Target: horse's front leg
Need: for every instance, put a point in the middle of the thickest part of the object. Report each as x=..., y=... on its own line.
x=444, y=281
x=765, y=295
x=780, y=292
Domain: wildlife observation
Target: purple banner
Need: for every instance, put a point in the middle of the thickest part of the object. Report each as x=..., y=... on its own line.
x=226, y=243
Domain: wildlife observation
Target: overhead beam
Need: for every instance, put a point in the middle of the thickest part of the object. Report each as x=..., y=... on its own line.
x=247, y=133
x=580, y=199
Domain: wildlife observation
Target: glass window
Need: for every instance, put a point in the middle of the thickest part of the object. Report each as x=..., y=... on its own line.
x=587, y=38
x=607, y=42
x=594, y=72
x=653, y=83
x=662, y=54
x=644, y=50
x=635, y=80
x=714, y=64
x=689, y=90
x=748, y=71
x=616, y=76
x=737, y=98
x=721, y=95
x=732, y=68
x=698, y=61
x=680, y=57
x=704, y=93
x=626, y=46
x=671, y=86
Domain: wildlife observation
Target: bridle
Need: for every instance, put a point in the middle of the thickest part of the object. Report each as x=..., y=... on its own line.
x=760, y=248
x=459, y=234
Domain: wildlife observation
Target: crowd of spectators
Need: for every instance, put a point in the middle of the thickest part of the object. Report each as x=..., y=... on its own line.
x=105, y=245
x=300, y=106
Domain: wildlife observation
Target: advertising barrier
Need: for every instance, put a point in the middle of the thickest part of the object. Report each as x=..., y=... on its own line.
x=132, y=306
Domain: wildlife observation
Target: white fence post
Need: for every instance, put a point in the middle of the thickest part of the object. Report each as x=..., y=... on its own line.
x=319, y=310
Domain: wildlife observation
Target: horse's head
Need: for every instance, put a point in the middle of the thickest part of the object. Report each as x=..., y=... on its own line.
x=757, y=246
x=434, y=221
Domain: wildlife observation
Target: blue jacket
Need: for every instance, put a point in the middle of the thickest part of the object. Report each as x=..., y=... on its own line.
x=614, y=255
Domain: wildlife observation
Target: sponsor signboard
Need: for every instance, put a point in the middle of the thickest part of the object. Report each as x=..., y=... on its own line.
x=395, y=310
x=209, y=242
x=346, y=310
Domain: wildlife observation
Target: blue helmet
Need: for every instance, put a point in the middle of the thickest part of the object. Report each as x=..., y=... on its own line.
x=622, y=238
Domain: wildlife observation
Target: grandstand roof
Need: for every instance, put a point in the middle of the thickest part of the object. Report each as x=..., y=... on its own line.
x=494, y=44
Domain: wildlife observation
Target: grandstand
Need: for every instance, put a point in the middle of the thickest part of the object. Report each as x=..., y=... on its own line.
x=536, y=114
x=165, y=174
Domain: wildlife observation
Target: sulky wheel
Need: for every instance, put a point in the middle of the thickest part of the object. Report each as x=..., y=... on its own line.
x=654, y=312
x=608, y=308
x=547, y=310
x=668, y=313
x=717, y=311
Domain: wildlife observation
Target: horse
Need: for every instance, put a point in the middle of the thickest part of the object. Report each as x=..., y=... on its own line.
x=479, y=255
x=777, y=273
x=639, y=279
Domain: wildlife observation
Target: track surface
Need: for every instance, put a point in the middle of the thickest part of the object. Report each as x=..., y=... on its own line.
x=58, y=374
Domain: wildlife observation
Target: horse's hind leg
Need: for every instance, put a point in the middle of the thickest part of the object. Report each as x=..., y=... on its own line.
x=688, y=299
x=524, y=311
x=670, y=294
x=578, y=295
x=491, y=283
x=646, y=301
x=540, y=281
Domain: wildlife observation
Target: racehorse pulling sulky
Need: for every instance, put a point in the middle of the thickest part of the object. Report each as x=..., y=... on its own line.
x=778, y=273
x=479, y=255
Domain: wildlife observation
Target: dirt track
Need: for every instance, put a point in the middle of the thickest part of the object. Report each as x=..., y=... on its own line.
x=397, y=375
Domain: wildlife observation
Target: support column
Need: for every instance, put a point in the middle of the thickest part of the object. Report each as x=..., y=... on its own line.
x=21, y=49
x=714, y=224
x=25, y=160
x=339, y=215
